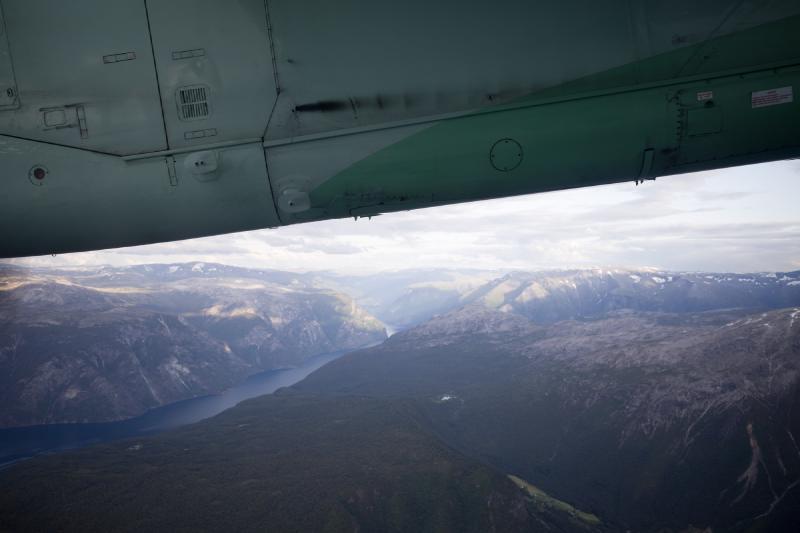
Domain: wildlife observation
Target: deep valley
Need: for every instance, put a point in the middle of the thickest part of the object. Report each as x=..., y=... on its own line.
x=561, y=401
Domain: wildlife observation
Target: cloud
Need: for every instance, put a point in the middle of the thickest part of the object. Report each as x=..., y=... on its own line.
x=739, y=219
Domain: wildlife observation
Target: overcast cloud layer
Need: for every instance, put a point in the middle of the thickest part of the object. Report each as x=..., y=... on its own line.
x=737, y=220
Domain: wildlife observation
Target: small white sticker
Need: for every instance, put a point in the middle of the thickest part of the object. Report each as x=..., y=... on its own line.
x=705, y=95
x=782, y=95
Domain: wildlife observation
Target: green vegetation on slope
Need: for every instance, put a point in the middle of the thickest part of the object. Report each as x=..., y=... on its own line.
x=287, y=462
x=543, y=499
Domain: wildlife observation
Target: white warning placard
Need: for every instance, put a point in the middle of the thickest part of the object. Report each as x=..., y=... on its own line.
x=782, y=95
x=704, y=96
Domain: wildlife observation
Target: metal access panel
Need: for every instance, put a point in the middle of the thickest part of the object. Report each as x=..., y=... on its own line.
x=87, y=201
x=738, y=118
x=214, y=69
x=84, y=74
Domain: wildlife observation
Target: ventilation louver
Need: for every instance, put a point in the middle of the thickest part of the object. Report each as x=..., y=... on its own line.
x=193, y=103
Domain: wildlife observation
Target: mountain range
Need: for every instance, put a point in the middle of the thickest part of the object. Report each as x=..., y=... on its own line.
x=651, y=421
x=610, y=400
x=91, y=345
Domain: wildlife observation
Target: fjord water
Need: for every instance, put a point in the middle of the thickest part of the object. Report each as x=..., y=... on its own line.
x=24, y=442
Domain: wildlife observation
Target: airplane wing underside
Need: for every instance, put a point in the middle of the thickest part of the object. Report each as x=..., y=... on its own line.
x=127, y=122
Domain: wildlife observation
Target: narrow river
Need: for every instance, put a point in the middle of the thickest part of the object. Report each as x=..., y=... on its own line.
x=17, y=444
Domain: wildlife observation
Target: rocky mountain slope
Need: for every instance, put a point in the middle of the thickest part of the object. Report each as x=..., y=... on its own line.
x=651, y=421
x=407, y=298
x=277, y=463
x=477, y=420
x=105, y=344
x=573, y=401
x=547, y=297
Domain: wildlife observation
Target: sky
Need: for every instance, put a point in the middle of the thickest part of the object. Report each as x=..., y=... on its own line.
x=744, y=219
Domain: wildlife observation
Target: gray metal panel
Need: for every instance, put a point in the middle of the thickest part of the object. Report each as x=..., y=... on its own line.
x=91, y=201
x=354, y=63
x=304, y=166
x=90, y=64
x=368, y=62
x=220, y=46
x=685, y=22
